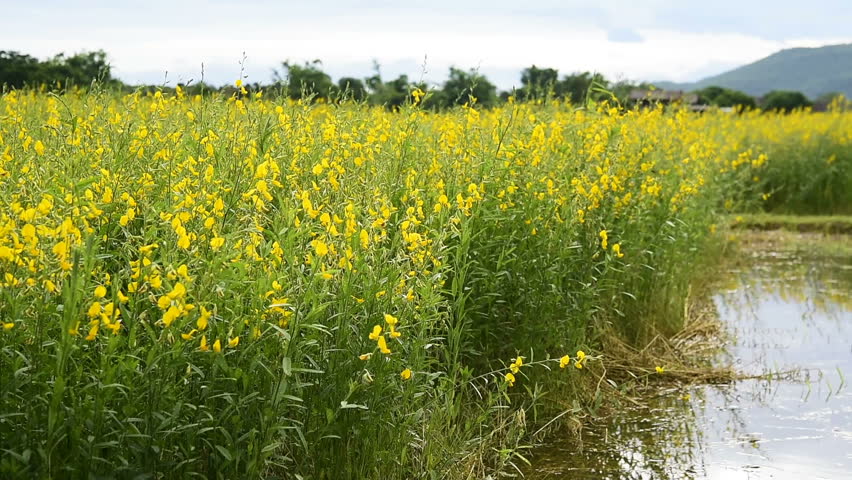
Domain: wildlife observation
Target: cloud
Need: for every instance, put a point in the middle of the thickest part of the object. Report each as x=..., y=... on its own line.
x=499, y=37
x=624, y=35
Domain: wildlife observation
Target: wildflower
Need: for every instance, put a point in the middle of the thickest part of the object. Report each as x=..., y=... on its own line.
x=417, y=94
x=93, y=331
x=217, y=346
x=94, y=310
x=203, y=318
x=659, y=369
x=405, y=374
x=581, y=358
x=604, y=238
x=320, y=247
x=392, y=321
x=203, y=345
x=376, y=333
x=617, y=250
x=234, y=342
x=383, y=346
x=510, y=379
x=515, y=367
x=183, y=272
x=178, y=292
x=171, y=315
x=365, y=356
x=188, y=336
x=564, y=361
x=216, y=243
x=8, y=326
x=100, y=291
x=164, y=302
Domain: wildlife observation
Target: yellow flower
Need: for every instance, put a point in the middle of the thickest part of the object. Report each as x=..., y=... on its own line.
x=365, y=356
x=94, y=310
x=320, y=247
x=203, y=346
x=183, y=272
x=581, y=358
x=39, y=147
x=510, y=379
x=405, y=374
x=383, y=346
x=8, y=326
x=188, y=336
x=234, y=342
x=203, y=318
x=217, y=346
x=564, y=361
x=617, y=250
x=515, y=367
x=604, y=239
x=392, y=321
x=178, y=292
x=659, y=369
x=184, y=242
x=171, y=315
x=216, y=243
x=100, y=291
x=93, y=331
x=377, y=331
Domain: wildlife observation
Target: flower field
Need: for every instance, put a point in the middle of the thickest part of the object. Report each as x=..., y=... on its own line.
x=260, y=288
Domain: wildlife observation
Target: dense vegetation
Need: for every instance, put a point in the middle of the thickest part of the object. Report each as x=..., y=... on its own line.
x=248, y=286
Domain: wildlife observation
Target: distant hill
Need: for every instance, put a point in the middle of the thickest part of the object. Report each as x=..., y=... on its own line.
x=812, y=71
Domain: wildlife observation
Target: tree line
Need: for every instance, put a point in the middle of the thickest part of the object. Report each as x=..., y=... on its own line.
x=308, y=81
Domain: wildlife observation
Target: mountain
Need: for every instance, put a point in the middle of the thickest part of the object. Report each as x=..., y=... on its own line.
x=812, y=71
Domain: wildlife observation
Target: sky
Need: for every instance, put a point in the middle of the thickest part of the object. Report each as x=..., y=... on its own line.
x=159, y=41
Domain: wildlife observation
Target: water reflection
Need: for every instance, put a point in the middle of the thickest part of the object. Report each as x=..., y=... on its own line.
x=786, y=310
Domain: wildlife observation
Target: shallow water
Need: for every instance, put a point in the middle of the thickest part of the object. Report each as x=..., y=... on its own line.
x=785, y=311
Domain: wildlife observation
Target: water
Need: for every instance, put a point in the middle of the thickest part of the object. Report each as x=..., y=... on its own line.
x=788, y=310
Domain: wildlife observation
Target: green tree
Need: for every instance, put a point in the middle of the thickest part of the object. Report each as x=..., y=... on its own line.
x=576, y=86
x=785, y=100
x=392, y=94
x=353, y=88
x=304, y=81
x=80, y=69
x=461, y=85
x=725, y=97
x=537, y=82
x=18, y=70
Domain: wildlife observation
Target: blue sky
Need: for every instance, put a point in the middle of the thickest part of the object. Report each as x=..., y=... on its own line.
x=647, y=40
